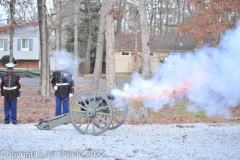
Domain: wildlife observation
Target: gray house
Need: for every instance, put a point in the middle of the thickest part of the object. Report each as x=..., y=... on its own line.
x=26, y=47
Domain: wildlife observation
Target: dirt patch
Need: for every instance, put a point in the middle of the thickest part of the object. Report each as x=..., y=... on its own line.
x=32, y=110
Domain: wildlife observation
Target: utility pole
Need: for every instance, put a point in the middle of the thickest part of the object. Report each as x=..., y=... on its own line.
x=76, y=40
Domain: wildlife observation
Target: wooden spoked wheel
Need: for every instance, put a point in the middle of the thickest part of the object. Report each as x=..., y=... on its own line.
x=119, y=106
x=91, y=112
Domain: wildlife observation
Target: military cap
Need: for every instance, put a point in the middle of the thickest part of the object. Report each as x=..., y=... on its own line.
x=10, y=65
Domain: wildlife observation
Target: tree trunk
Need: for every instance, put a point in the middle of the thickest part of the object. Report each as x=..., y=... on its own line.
x=76, y=40
x=100, y=44
x=87, y=65
x=39, y=3
x=135, y=55
x=167, y=18
x=110, y=55
x=88, y=52
x=119, y=19
x=179, y=11
x=47, y=76
x=58, y=26
x=161, y=17
x=145, y=49
x=145, y=40
x=45, y=79
x=12, y=10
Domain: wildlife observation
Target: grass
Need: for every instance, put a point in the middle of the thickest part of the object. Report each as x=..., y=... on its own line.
x=19, y=70
x=34, y=71
x=124, y=77
x=179, y=108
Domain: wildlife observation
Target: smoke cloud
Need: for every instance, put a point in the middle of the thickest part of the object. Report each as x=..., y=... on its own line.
x=209, y=78
x=71, y=62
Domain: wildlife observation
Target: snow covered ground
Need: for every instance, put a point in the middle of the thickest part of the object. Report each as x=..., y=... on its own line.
x=140, y=142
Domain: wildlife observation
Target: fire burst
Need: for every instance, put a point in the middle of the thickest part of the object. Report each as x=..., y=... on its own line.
x=158, y=92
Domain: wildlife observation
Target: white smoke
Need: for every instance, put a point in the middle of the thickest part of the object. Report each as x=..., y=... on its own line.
x=71, y=62
x=211, y=75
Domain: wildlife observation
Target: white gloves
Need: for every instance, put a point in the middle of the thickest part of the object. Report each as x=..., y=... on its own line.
x=70, y=95
x=2, y=96
x=55, y=87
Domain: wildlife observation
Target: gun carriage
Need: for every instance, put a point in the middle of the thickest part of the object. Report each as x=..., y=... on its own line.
x=91, y=112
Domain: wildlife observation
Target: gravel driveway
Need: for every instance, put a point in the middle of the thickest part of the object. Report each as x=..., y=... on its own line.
x=140, y=142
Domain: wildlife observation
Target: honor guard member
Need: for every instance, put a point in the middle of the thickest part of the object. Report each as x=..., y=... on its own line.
x=63, y=83
x=10, y=91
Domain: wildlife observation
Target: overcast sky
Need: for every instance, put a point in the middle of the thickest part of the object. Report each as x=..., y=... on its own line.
x=2, y=15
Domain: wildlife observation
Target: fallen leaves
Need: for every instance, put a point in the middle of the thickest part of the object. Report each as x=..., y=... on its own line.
x=31, y=110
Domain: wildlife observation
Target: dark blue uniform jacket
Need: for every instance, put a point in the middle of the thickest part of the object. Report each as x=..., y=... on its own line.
x=64, y=81
x=10, y=86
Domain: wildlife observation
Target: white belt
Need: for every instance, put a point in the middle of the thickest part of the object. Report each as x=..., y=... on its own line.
x=62, y=84
x=10, y=88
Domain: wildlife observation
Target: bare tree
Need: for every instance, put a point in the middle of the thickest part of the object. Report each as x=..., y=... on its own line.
x=76, y=40
x=100, y=44
x=136, y=32
x=209, y=19
x=88, y=52
x=45, y=79
x=145, y=48
x=110, y=52
x=58, y=25
x=145, y=40
x=12, y=11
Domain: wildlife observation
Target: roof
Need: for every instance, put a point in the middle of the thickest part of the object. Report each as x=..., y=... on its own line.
x=28, y=30
x=157, y=43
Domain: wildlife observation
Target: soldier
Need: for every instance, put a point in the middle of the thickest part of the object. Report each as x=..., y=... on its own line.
x=10, y=91
x=63, y=84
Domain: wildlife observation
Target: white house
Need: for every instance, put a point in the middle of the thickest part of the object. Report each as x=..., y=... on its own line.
x=26, y=47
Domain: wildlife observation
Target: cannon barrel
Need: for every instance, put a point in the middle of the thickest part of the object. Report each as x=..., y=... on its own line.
x=97, y=98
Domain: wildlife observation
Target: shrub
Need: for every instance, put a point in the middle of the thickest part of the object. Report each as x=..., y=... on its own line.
x=5, y=59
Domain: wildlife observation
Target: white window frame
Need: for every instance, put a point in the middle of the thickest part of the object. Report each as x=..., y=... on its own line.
x=152, y=55
x=1, y=49
x=24, y=49
x=129, y=54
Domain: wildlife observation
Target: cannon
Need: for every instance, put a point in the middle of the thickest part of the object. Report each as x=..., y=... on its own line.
x=91, y=112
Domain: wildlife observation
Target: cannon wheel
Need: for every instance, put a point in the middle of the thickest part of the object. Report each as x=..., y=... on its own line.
x=120, y=109
x=87, y=109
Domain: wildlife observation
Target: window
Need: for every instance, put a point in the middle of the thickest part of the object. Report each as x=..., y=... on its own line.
x=125, y=54
x=151, y=54
x=25, y=45
x=1, y=44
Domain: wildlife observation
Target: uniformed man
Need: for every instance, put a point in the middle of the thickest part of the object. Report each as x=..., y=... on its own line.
x=10, y=91
x=63, y=84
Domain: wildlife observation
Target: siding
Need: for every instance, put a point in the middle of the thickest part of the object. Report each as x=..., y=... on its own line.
x=124, y=64
x=23, y=55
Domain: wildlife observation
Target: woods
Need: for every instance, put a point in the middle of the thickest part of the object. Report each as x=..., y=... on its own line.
x=209, y=19
x=88, y=29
